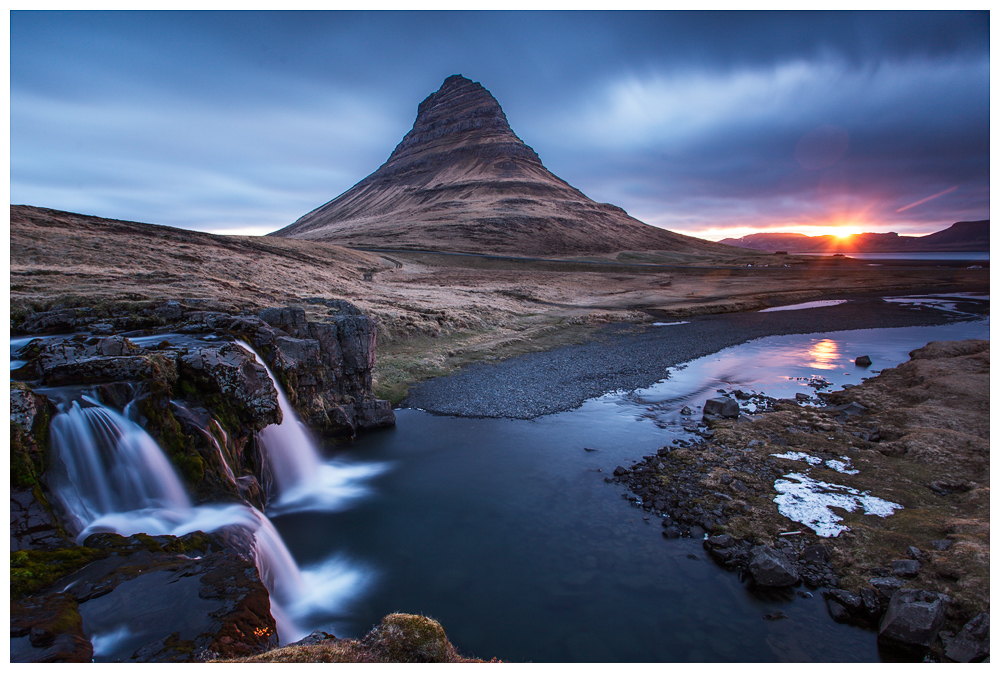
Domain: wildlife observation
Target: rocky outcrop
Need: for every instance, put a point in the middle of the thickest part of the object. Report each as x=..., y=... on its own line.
x=326, y=368
x=235, y=374
x=398, y=638
x=203, y=397
x=83, y=359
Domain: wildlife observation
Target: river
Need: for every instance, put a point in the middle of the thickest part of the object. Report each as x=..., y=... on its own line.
x=506, y=531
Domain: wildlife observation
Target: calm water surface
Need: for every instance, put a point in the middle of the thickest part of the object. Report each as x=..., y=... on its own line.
x=506, y=532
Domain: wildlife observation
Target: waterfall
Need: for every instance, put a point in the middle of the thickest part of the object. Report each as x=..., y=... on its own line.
x=106, y=464
x=303, y=481
x=111, y=476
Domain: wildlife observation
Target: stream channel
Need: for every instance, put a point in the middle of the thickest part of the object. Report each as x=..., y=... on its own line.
x=507, y=533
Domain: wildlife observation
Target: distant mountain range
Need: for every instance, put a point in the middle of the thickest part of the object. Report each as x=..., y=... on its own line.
x=959, y=237
x=462, y=181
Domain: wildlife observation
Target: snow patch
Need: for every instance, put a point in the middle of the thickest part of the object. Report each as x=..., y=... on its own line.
x=808, y=501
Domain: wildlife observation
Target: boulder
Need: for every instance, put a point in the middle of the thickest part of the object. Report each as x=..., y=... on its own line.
x=771, y=568
x=972, y=643
x=887, y=586
x=721, y=406
x=816, y=553
x=912, y=621
x=905, y=568
x=863, y=361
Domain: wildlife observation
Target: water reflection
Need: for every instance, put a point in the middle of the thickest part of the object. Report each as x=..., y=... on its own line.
x=823, y=354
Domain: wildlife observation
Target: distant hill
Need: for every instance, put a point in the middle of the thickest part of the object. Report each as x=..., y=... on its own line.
x=462, y=181
x=959, y=237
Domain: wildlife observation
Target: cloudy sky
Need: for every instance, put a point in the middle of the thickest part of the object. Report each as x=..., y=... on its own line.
x=711, y=124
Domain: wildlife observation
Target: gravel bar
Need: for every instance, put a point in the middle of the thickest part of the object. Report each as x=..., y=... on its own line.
x=629, y=357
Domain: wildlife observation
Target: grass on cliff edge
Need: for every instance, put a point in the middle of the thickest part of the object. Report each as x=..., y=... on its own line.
x=399, y=638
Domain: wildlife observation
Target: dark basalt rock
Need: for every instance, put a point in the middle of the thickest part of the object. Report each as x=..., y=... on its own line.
x=972, y=643
x=906, y=568
x=48, y=629
x=771, y=568
x=237, y=375
x=912, y=622
x=191, y=598
x=721, y=406
x=32, y=524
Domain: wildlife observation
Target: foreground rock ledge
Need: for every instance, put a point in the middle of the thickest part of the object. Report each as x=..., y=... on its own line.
x=399, y=638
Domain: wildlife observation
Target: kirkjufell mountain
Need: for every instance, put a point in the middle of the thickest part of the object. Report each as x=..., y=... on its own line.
x=462, y=181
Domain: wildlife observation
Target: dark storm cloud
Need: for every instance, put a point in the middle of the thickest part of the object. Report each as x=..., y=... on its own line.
x=688, y=120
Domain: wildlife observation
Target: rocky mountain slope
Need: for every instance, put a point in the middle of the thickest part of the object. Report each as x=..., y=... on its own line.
x=959, y=237
x=462, y=181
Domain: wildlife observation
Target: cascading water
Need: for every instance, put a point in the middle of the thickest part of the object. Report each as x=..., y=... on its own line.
x=106, y=464
x=303, y=481
x=111, y=476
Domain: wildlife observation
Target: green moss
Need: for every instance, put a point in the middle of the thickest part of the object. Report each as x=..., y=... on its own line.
x=33, y=570
x=161, y=423
x=29, y=451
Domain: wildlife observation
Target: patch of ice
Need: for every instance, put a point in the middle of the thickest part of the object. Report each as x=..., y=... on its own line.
x=809, y=501
x=808, y=304
x=799, y=455
x=668, y=324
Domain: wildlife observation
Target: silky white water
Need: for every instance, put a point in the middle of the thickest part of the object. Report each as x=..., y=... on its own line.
x=303, y=482
x=111, y=476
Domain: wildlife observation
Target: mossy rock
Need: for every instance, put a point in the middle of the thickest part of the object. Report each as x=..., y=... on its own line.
x=32, y=571
x=402, y=638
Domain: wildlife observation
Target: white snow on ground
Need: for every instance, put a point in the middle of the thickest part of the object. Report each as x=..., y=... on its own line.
x=798, y=455
x=843, y=465
x=808, y=501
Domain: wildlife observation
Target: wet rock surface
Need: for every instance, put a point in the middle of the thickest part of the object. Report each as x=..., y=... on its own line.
x=48, y=629
x=191, y=598
x=972, y=643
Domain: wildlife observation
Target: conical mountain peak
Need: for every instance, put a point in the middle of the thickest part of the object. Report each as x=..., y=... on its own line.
x=462, y=181
x=460, y=116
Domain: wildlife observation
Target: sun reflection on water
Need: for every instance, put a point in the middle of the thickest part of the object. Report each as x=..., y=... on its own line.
x=823, y=354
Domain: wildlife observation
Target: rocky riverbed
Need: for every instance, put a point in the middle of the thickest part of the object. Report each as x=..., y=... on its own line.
x=879, y=498
x=630, y=357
